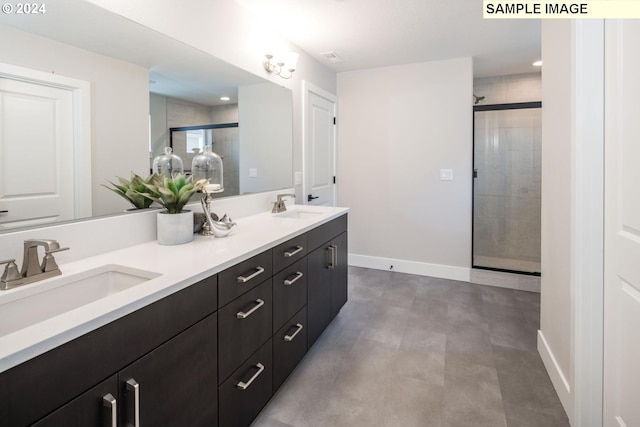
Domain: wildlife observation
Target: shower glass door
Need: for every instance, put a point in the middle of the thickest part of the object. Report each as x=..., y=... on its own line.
x=507, y=184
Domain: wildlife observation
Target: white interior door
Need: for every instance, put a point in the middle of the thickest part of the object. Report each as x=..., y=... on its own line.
x=622, y=225
x=36, y=153
x=319, y=147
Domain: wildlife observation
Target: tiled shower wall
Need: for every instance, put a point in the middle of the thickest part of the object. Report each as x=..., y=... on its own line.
x=509, y=89
x=507, y=154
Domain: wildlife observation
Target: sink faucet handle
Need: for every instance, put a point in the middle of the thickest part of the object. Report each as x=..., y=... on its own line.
x=49, y=262
x=11, y=273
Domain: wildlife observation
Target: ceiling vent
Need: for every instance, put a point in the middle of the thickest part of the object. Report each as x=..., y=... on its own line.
x=333, y=57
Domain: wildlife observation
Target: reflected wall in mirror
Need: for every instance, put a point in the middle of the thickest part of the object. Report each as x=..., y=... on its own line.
x=77, y=42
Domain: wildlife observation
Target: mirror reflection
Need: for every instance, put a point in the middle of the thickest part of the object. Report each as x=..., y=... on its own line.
x=132, y=89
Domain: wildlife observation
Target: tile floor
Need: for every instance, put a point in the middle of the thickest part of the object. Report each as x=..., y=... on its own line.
x=418, y=351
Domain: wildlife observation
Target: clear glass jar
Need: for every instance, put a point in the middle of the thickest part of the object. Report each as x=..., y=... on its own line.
x=208, y=165
x=167, y=164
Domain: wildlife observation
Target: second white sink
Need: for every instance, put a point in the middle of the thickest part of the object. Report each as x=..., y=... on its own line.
x=299, y=214
x=60, y=295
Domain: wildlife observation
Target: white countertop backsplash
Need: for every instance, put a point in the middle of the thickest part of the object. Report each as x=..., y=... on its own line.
x=179, y=266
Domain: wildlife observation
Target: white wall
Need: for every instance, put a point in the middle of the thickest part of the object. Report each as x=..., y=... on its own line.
x=115, y=123
x=555, y=301
x=397, y=127
x=570, y=340
x=265, y=142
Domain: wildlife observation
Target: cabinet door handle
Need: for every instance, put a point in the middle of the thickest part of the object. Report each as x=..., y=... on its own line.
x=243, y=386
x=245, y=314
x=289, y=282
x=334, y=257
x=259, y=271
x=111, y=413
x=291, y=253
x=289, y=338
x=133, y=405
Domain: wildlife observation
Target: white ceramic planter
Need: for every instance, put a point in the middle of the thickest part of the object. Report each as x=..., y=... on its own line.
x=175, y=229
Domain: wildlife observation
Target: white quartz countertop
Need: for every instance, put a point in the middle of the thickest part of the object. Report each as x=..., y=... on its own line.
x=178, y=267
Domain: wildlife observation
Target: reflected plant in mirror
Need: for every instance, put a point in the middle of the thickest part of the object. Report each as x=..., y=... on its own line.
x=134, y=190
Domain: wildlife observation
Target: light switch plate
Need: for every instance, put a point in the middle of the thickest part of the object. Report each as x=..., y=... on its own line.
x=253, y=173
x=446, y=174
x=297, y=178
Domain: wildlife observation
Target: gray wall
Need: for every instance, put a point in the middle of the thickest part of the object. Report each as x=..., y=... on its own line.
x=397, y=127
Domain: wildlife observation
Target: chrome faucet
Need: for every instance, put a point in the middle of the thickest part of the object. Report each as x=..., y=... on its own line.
x=32, y=269
x=279, y=205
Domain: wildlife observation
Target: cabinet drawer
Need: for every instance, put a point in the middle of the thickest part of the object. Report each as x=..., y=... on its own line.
x=236, y=280
x=289, y=292
x=289, y=252
x=289, y=347
x=326, y=232
x=244, y=325
x=247, y=390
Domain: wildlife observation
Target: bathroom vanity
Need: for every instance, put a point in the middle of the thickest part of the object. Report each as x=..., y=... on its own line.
x=204, y=340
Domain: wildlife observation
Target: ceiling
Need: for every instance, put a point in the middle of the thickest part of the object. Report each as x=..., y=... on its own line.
x=377, y=33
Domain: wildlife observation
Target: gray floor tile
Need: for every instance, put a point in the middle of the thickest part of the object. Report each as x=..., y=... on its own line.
x=419, y=351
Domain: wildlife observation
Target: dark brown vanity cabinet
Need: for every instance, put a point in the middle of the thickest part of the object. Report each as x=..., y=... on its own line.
x=173, y=385
x=169, y=348
x=327, y=267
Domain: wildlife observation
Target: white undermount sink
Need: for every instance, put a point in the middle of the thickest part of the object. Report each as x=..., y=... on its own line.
x=299, y=214
x=42, y=301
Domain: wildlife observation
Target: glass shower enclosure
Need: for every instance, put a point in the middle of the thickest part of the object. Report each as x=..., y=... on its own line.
x=507, y=187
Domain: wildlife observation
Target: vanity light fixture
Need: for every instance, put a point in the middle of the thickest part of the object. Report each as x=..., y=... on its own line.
x=225, y=98
x=285, y=62
x=537, y=64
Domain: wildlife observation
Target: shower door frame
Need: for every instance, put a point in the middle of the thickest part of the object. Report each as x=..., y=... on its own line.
x=492, y=107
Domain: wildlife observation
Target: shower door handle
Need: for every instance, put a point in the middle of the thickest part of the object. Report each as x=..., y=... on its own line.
x=475, y=172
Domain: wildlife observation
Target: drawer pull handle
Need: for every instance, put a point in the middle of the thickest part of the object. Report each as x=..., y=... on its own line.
x=111, y=414
x=245, y=314
x=289, y=282
x=291, y=253
x=334, y=257
x=289, y=338
x=259, y=271
x=243, y=386
x=134, y=406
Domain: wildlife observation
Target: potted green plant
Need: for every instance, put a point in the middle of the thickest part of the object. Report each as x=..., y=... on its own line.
x=133, y=190
x=175, y=224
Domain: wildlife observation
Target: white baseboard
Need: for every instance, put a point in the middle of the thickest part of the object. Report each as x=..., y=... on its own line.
x=411, y=267
x=558, y=379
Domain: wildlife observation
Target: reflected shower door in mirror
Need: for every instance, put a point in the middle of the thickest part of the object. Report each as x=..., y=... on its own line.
x=224, y=140
x=127, y=64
